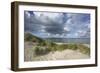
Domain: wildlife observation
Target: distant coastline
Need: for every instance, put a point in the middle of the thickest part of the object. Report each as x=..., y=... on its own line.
x=70, y=40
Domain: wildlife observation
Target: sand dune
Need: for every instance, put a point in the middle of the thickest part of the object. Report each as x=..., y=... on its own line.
x=57, y=55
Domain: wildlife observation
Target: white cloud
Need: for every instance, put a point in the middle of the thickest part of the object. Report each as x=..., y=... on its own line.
x=27, y=14
x=42, y=30
x=76, y=34
x=45, y=14
x=48, y=34
x=66, y=29
x=46, y=17
x=82, y=33
x=69, y=21
x=57, y=24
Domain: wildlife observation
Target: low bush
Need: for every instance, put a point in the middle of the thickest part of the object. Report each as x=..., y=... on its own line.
x=84, y=49
x=72, y=46
x=41, y=50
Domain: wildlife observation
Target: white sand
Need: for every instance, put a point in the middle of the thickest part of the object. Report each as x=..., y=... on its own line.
x=59, y=55
x=56, y=55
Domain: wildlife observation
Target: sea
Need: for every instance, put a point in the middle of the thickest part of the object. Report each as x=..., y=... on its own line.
x=70, y=40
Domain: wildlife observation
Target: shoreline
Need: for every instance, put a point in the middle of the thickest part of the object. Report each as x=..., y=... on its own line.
x=72, y=43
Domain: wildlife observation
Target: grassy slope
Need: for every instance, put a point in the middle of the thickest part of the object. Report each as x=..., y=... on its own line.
x=43, y=46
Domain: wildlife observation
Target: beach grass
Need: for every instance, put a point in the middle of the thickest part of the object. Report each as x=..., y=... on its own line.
x=60, y=47
x=42, y=47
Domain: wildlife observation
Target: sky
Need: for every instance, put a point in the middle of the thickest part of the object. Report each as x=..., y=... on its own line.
x=57, y=24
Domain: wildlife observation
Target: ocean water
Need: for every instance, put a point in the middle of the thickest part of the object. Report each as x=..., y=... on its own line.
x=70, y=40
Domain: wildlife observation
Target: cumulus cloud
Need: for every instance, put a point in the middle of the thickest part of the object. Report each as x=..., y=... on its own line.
x=53, y=24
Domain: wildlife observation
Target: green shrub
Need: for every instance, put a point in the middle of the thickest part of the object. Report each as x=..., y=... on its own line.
x=41, y=50
x=28, y=37
x=84, y=49
x=41, y=44
x=54, y=48
x=72, y=46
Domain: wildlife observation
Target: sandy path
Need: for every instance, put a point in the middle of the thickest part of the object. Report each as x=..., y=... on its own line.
x=64, y=55
x=57, y=55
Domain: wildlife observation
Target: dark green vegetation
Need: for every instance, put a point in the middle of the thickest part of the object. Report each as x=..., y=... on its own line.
x=32, y=38
x=42, y=47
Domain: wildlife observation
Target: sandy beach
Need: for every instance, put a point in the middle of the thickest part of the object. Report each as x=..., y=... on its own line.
x=56, y=55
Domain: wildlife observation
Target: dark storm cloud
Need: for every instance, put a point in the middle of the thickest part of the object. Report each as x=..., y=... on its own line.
x=51, y=26
x=57, y=24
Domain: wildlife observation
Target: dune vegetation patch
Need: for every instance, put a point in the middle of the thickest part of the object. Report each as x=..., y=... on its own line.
x=39, y=49
x=42, y=47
